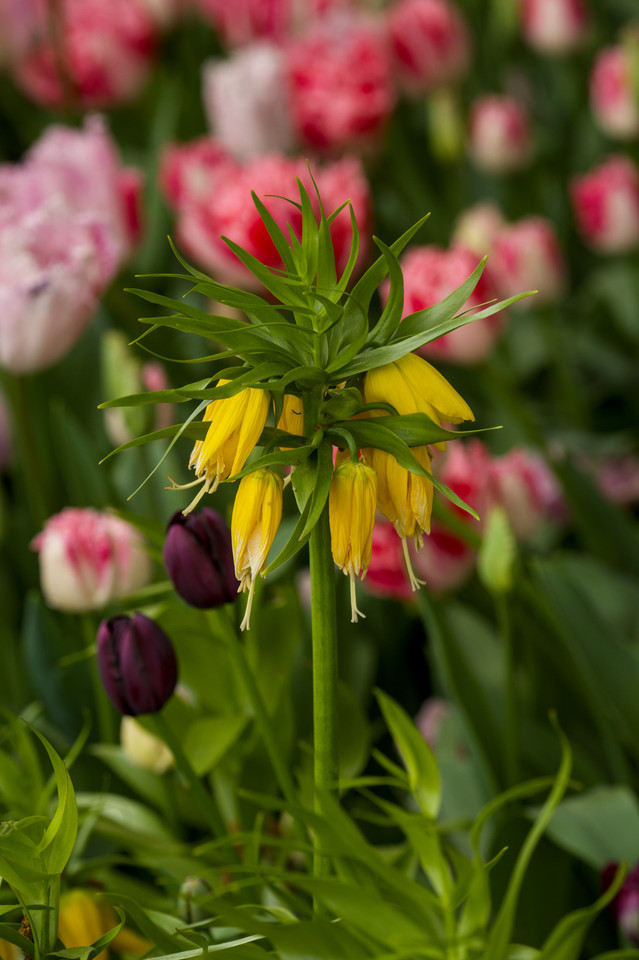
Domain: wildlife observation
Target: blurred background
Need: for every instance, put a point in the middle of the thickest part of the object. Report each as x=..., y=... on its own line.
x=516, y=124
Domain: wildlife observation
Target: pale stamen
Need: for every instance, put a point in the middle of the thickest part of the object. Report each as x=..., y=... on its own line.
x=355, y=612
x=245, y=624
x=415, y=582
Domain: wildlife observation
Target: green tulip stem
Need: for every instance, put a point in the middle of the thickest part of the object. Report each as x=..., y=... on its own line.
x=324, y=631
x=219, y=620
x=105, y=712
x=511, y=732
x=204, y=798
x=17, y=389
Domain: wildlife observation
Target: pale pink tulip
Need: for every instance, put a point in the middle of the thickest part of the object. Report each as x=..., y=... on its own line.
x=246, y=100
x=89, y=559
x=521, y=482
x=606, y=205
x=499, y=134
x=554, y=26
x=430, y=43
x=477, y=227
x=612, y=97
x=527, y=256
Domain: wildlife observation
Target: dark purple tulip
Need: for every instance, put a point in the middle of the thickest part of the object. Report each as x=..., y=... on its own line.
x=198, y=556
x=137, y=664
x=625, y=906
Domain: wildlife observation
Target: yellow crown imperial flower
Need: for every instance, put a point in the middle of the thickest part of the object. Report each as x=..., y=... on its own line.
x=352, y=502
x=413, y=385
x=84, y=918
x=257, y=512
x=404, y=498
x=236, y=425
x=292, y=417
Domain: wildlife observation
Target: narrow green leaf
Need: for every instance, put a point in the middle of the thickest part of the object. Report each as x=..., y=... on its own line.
x=420, y=763
x=431, y=317
x=392, y=312
x=57, y=843
x=275, y=232
x=565, y=942
x=497, y=947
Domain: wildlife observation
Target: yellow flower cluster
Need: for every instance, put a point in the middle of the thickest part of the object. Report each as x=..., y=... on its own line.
x=358, y=488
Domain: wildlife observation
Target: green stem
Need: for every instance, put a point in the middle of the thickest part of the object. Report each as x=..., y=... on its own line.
x=219, y=620
x=324, y=630
x=106, y=715
x=182, y=762
x=511, y=733
x=16, y=388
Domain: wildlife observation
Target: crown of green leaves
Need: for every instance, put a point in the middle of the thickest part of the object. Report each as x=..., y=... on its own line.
x=316, y=341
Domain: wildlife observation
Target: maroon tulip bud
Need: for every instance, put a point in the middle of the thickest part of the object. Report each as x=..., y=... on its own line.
x=198, y=557
x=625, y=906
x=137, y=664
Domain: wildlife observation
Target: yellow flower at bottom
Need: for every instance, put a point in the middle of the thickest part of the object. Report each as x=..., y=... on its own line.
x=236, y=425
x=84, y=919
x=352, y=502
x=257, y=512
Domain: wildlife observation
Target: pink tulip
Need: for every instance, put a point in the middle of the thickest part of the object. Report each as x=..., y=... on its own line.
x=521, y=482
x=50, y=276
x=477, y=227
x=444, y=562
x=20, y=23
x=606, y=205
x=336, y=108
x=67, y=217
x=212, y=194
x=617, y=477
x=430, y=274
x=83, y=167
x=246, y=101
x=89, y=559
x=612, y=97
x=103, y=59
x=432, y=716
x=386, y=575
x=244, y=21
x=499, y=136
x=430, y=43
x=527, y=256
x=554, y=26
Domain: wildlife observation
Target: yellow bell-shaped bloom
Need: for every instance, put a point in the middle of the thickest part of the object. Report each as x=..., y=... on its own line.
x=236, y=425
x=257, y=512
x=292, y=417
x=352, y=502
x=84, y=918
x=412, y=385
x=404, y=498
